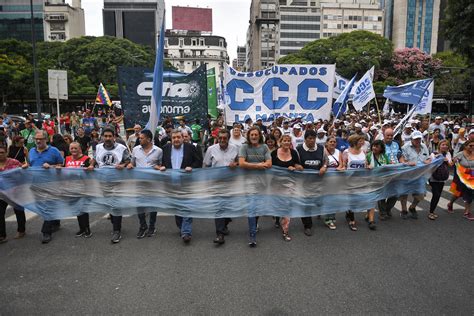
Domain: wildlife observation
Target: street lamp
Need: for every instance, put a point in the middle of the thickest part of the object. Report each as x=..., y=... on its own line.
x=35, y=68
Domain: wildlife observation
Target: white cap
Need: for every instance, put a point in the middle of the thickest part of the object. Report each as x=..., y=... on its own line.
x=363, y=121
x=373, y=127
x=386, y=123
x=438, y=118
x=408, y=126
x=337, y=121
x=456, y=127
x=365, y=130
x=451, y=122
x=416, y=135
x=471, y=131
x=445, y=123
x=358, y=125
x=297, y=126
x=321, y=130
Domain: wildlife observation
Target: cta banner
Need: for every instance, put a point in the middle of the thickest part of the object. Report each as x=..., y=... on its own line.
x=292, y=91
x=183, y=95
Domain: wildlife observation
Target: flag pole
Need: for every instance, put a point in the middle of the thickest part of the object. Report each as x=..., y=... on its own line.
x=378, y=110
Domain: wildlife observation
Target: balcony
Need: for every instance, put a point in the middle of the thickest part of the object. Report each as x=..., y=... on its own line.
x=195, y=57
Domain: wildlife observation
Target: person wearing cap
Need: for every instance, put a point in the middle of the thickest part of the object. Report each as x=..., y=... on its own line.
x=413, y=153
x=312, y=156
x=133, y=140
x=286, y=129
x=297, y=136
x=322, y=138
x=406, y=135
x=262, y=127
x=438, y=123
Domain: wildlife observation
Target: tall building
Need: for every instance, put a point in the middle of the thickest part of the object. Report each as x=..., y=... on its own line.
x=262, y=34
x=136, y=20
x=187, y=51
x=63, y=21
x=15, y=19
x=300, y=23
x=340, y=16
x=241, y=56
x=415, y=24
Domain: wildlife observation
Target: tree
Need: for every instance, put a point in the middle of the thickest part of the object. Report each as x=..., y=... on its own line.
x=459, y=29
x=453, y=75
x=353, y=52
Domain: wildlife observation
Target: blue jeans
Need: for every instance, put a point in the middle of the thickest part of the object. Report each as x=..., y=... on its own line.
x=252, y=228
x=185, y=224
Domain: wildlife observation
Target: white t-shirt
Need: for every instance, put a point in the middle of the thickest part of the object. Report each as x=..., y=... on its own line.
x=110, y=157
x=321, y=141
x=237, y=142
x=296, y=140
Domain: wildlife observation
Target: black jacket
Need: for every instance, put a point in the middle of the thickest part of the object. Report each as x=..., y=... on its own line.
x=190, y=157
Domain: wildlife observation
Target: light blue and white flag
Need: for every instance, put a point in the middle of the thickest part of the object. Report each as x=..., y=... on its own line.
x=386, y=107
x=340, y=105
x=425, y=105
x=364, y=90
x=157, y=91
x=409, y=93
x=339, y=85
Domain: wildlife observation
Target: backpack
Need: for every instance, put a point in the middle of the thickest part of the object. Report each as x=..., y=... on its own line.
x=442, y=173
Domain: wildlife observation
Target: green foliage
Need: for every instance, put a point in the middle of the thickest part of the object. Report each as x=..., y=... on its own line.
x=354, y=52
x=453, y=76
x=88, y=60
x=460, y=27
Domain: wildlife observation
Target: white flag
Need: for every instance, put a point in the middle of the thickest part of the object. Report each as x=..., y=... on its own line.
x=386, y=107
x=339, y=84
x=363, y=90
x=425, y=105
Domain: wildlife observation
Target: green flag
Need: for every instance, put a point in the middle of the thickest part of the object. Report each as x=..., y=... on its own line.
x=212, y=93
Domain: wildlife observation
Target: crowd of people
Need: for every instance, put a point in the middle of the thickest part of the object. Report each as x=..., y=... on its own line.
x=355, y=140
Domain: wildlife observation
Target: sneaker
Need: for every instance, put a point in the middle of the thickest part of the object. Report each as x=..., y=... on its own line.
x=186, y=239
x=141, y=232
x=253, y=244
x=286, y=237
x=468, y=216
x=116, y=237
x=413, y=213
x=219, y=239
x=331, y=225
x=372, y=226
x=46, y=238
x=80, y=233
x=404, y=214
x=19, y=235
x=308, y=232
x=87, y=233
x=3, y=240
x=151, y=232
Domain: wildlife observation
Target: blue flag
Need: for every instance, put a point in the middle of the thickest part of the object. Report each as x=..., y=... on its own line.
x=340, y=105
x=157, y=92
x=409, y=93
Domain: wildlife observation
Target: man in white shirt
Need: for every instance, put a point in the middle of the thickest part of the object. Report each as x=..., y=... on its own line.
x=146, y=155
x=237, y=139
x=286, y=129
x=297, y=136
x=438, y=124
x=221, y=154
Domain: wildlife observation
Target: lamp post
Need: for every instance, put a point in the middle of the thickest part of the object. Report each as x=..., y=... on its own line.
x=35, y=68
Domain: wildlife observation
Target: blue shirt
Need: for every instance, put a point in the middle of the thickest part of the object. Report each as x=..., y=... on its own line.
x=50, y=155
x=393, y=152
x=177, y=157
x=341, y=144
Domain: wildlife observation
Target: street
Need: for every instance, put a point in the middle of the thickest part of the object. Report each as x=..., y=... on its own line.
x=404, y=267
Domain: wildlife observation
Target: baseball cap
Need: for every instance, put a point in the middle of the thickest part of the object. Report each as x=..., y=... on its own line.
x=297, y=126
x=471, y=131
x=416, y=135
x=456, y=127
x=358, y=125
x=321, y=130
x=445, y=123
x=438, y=118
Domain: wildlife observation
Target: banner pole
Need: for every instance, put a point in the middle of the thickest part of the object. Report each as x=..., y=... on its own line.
x=378, y=110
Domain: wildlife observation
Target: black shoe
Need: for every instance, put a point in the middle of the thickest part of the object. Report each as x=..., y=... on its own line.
x=253, y=244
x=226, y=231
x=116, y=237
x=46, y=238
x=413, y=213
x=372, y=226
x=87, y=233
x=151, y=232
x=219, y=239
x=80, y=233
x=186, y=239
x=308, y=232
x=141, y=232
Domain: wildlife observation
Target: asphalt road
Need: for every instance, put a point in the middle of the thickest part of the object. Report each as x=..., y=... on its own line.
x=405, y=267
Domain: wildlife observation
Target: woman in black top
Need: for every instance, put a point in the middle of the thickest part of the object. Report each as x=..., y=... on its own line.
x=287, y=158
x=18, y=150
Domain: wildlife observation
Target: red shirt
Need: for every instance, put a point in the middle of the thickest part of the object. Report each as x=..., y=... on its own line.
x=49, y=128
x=79, y=163
x=11, y=164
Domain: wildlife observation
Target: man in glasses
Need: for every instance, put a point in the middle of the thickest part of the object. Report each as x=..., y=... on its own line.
x=222, y=154
x=45, y=156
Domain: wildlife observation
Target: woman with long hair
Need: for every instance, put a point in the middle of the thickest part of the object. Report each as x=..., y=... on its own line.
x=334, y=163
x=439, y=176
x=254, y=155
x=463, y=182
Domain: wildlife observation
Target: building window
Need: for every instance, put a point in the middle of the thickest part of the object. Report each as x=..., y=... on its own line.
x=181, y=42
x=201, y=42
x=221, y=43
x=193, y=42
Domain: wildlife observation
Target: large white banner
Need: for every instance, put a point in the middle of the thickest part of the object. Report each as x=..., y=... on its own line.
x=363, y=90
x=339, y=85
x=426, y=103
x=293, y=91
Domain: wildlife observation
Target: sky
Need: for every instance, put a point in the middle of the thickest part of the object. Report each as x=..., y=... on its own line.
x=229, y=18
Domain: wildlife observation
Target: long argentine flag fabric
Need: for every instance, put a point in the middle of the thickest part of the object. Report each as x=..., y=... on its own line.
x=210, y=192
